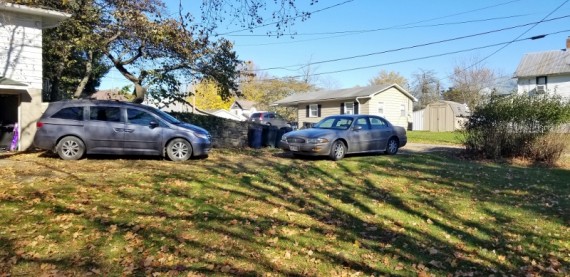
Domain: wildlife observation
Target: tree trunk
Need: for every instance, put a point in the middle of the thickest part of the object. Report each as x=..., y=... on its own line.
x=140, y=92
x=85, y=79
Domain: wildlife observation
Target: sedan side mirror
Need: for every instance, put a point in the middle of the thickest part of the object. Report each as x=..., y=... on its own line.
x=357, y=127
x=153, y=124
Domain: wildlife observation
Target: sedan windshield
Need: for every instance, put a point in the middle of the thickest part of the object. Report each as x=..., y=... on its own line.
x=339, y=123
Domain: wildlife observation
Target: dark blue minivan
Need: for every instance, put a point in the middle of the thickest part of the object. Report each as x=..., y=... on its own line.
x=73, y=128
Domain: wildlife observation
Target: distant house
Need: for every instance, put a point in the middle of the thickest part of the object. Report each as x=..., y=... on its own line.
x=243, y=108
x=226, y=114
x=21, y=73
x=173, y=105
x=109, y=94
x=545, y=72
x=389, y=101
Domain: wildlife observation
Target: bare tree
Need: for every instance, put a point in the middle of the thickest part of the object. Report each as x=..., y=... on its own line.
x=472, y=82
x=426, y=87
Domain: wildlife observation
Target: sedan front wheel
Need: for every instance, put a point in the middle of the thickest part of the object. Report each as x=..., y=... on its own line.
x=338, y=150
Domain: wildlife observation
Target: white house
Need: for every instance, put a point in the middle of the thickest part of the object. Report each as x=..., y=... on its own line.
x=545, y=72
x=21, y=69
x=243, y=108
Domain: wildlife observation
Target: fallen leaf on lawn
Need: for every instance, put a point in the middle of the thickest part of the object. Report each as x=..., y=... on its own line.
x=436, y=264
x=433, y=251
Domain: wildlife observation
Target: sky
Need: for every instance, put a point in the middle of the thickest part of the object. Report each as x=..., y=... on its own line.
x=348, y=42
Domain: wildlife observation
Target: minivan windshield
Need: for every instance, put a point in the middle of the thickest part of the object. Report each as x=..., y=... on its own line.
x=170, y=119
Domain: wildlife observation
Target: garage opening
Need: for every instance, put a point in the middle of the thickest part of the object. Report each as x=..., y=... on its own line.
x=8, y=118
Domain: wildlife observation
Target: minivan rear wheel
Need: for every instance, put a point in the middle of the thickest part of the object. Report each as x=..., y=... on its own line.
x=70, y=148
x=179, y=150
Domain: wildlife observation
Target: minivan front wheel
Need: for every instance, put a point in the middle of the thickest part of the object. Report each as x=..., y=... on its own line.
x=179, y=150
x=70, y=148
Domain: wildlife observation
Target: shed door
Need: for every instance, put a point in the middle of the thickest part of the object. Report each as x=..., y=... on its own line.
x=441, y=119
x=437, y=120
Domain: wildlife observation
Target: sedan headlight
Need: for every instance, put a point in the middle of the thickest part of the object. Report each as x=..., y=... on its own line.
x=317, y=140
x=284, y=138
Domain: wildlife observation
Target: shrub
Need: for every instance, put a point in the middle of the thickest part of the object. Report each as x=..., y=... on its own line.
x=518, y=126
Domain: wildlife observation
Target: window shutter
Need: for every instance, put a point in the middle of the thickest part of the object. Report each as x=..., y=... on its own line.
x=355, y=107
x=342, y=108
x=307, y=111
x=319, y=110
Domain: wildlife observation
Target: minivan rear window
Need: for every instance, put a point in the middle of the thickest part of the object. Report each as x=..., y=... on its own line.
x=73, y=113
x=112, y=114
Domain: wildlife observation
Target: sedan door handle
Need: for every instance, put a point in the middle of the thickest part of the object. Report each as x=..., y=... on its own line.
x=118, y=130
x=129, y=130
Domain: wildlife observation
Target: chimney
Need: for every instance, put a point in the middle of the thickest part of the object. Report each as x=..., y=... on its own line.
x=568, y=43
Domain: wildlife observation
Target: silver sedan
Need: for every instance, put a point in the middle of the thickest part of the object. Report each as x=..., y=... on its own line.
x=336, y=136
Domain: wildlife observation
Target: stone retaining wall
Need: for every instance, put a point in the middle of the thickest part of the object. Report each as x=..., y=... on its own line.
x=225, y=133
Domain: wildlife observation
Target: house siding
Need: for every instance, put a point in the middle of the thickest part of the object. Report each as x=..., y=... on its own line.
x=327, y=109
x=559, y=84
x=392, y=99
x=21, y=48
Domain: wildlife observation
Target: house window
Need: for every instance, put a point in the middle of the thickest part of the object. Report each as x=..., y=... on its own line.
x=348, y=107
x=313, y=110
x=381, y=109
x=402, y=110
x=541, y=84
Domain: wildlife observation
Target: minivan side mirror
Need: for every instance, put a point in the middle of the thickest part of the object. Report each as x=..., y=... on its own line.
x=153, y=124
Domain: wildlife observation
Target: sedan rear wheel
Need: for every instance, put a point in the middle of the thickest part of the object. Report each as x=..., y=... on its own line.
x=392, y=146
x=338, y=150
x=179, y=150
x=70, y=148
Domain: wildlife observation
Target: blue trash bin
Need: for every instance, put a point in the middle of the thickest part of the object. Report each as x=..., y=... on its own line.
x=254, y=136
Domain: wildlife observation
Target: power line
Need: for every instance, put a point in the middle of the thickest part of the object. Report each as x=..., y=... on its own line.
x=424, y=57
x=399, y=27
x=413, y=46
x=281, y=21
x=528, y=30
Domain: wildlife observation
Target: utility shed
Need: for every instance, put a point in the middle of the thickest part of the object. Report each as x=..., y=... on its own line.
x=445, y=116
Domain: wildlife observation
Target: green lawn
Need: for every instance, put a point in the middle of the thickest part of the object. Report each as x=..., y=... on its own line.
x=434, y=137
x=263, y=213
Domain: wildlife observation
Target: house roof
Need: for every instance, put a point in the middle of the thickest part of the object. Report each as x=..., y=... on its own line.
x=544, y=63
x=243, y=104
x=339, y=94
x=225, y=114
x=109, y=94
x=50, y=17
x=9, y=82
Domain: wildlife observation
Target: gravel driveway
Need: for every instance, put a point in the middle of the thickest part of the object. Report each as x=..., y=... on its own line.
x=426, y=148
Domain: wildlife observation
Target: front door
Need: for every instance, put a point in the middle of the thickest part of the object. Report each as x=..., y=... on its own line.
x=141, y=137
x=361, y=137
x=105, y=131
